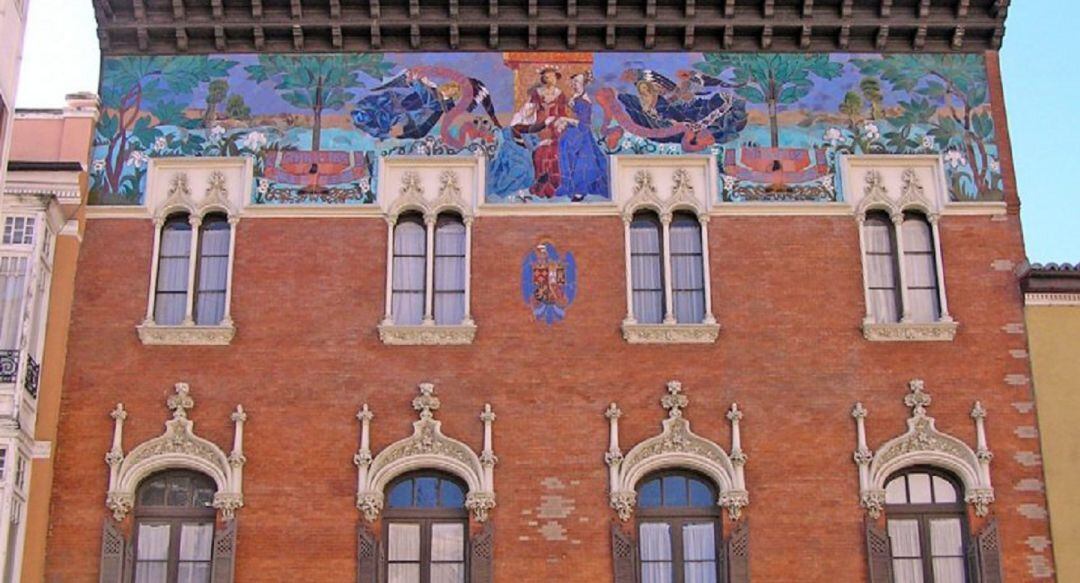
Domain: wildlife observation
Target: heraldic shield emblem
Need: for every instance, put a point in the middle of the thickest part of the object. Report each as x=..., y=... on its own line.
x=548, y=282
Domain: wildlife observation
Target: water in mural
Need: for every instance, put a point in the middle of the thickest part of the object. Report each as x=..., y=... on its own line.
x=548, y=282
x=545, y=123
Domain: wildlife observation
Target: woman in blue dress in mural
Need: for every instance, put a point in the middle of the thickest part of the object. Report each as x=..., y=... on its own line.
x=583, y=166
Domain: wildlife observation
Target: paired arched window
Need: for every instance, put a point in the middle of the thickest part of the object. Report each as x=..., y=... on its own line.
x=901, y=268
x=650, y=250
x=927, y=527
x=679, y=540
x=174, y=528
x=211, y=243
x=442, y=268
x=426, y=528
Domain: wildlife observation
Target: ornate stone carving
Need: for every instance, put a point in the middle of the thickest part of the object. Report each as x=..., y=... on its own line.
x=426, y=335
x=912, y=193
x=411, y=196
x=675, y=447
x=645, y=196
x=910, y=332
x=426, y=448
x=875, y=195
x=177, y=447
x=670, y=333
x=922, y=444
x=186, y=335
x=178, y=199
x=217, y=196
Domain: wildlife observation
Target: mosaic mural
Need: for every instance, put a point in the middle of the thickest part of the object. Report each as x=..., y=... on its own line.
x=545, y=122
x=548, y=282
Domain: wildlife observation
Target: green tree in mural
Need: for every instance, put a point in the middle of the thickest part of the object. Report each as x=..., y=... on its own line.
x=774, y=80
x=317, y=83
x=237, y=108
x=215, y=94
x=852, y=107
x=871, y=91
x=135, y=83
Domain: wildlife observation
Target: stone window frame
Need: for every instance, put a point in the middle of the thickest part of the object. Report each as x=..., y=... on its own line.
x=180, y=201
x=912, y=200
x=412, y=199
x=682, y=199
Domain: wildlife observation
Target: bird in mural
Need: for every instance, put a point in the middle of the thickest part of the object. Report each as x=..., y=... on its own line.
x=652, y=89
x=693, y=83
x=449, y=92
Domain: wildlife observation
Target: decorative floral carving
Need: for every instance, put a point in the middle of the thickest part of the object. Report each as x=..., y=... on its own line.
x=371, y=504
x=674, y=401
x=623, y=503
x=670, y=333
x=863, y=456
x=217, y=196
x=120, y=503
x=179, y=197
x=426, y=335
x=734, y=501
x=980, y=498
x=645, y=196
x=873, y=501
x=480, y=504
x=186, y=335
x=228, y=503
x=910, y=332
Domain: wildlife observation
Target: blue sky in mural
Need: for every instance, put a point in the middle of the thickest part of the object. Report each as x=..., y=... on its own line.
x=1042, y=93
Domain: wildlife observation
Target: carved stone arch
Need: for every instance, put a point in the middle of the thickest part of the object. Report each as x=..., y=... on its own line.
x=179, y=200
x=426, y=449
x=875, y=196
x=217, y=198
x=646, y=198
x=177, y=448
x=913, y=196
x=676, y=447
x=412, y=198
x=924, y=445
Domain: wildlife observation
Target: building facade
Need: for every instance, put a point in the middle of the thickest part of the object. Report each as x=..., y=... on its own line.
x=1052, y=309
x=446, y=284
x=12, y=27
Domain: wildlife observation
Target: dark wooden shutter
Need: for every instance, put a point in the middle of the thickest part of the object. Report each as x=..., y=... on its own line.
x=224, y=568
x=738, y=553
x=988, y=544
x=878, y=553
x=481, y=553
x=114, y=549
x=721, y=555
x=367, y=555
x=623, y=554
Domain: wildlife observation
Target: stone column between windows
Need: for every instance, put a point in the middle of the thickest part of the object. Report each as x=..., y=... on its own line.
x=869, y=317
x=898, y=228
x=226, y=319
x=703, y=219
x=429, y=271
x=388, y=317
x=468, y=270
x=944, y=303
x=193, y=260
x=669, y=304
x=630, y=319
x=159, y=224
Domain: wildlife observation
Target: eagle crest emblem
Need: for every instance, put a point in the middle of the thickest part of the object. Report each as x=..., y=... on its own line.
x=548, y=282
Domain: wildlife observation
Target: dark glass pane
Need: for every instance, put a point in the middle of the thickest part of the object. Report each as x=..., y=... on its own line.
x=700, y=494
x=204, y=494
x=675, y=493
x=177, y=491
x=450, y=495
x=426, y=489
x=401, y=494
x=649, y=494
x=153, y=493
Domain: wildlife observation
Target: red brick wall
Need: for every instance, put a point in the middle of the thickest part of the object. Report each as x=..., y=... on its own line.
x=308, y=294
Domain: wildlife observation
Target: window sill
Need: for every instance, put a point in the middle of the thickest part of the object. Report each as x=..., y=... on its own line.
x=186, y=335
x=635, y=333
x=427, y=334
x=910, y=332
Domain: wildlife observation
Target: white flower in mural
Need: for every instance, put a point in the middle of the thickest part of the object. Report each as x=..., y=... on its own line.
x=217, y=132
x=254, y=141
x=262, y=186
x=364, y=185
x=871, y=131
x=160, y=144
x=98, y=166
x=928, y=142
x=137, y=159
x=995, y=166
x=955, y=159
x=834, y=135
x=729, y=183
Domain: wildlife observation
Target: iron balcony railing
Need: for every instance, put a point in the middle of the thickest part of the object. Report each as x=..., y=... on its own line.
x=33, y=375
x=9, y=371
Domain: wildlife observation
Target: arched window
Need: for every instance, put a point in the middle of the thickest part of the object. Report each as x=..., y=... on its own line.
x=410, y=267
x=882, y=266
x=174, y=259
x=920, y=268
x=449, y=297
x=647, y=268
x=678, y=522
x=174, y=528
x=426, y=528
x=927, y=526
x=687, y=269
x=213, y=270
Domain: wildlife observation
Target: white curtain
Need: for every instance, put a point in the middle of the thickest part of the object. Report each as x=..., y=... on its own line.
x=151, y=561
x=12, y=292
x=947, y=549
x=687, y=270
x=655, y=548
x=213, y=271
x=403, y=553
x=170, y=301
x=881, y=266
x=449, y=270
x=447, y=553
x=907, y=564
x=647, y=269
x=410, y=265
x=699, y=552
x=920, y=269
x=196, y=541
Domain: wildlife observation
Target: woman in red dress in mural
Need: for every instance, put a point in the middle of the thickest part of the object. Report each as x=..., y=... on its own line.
x=549, y=106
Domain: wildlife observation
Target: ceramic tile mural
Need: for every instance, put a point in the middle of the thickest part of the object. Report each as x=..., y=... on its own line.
x=545, y=123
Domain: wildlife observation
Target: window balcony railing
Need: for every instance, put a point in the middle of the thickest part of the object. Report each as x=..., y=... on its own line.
x=32, y=377
x=9, y=365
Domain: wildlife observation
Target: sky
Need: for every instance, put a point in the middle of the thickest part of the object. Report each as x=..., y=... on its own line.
x=1042, y=94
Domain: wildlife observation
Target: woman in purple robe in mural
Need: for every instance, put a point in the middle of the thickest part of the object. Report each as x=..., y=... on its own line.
x=583, y=166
